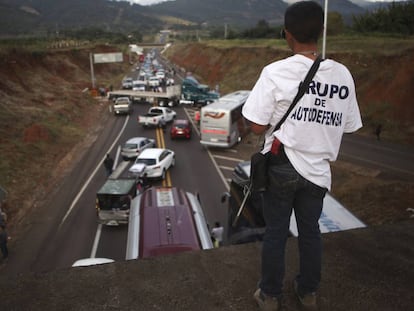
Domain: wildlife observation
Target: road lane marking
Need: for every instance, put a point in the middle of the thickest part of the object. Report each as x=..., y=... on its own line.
x=218, y=169
x=192, y=121
x=378, y=164
x=96, y=241
x=99, y=166
x=227, y=168
x=166, y=182
x=228, y=158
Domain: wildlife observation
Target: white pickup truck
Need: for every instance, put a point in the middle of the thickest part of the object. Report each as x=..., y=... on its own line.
x=155, y=115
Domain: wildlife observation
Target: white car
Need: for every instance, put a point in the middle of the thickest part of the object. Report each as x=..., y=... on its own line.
x=134, y=146
x=139, y=85
x=127, y=83
x=160, y=74
x=157, y=161
x=153, y=81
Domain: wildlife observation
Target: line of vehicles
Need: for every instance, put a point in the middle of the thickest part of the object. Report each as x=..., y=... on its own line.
x=189, y=92
x=122, y=198
x=167, y=219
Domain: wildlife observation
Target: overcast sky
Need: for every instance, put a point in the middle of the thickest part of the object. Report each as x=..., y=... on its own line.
x=149, y=2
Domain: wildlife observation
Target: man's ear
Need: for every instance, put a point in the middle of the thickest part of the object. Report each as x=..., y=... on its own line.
x=289, y=38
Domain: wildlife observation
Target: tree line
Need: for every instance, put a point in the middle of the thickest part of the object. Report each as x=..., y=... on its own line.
x=396, y=18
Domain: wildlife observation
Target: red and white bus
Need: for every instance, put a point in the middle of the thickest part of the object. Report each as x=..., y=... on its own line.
x=221, y=123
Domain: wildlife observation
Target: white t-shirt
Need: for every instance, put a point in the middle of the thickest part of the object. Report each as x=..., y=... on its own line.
x=313, y=131
x=217, y=233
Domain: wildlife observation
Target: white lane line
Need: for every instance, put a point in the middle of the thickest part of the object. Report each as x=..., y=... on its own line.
x=228, y=158
x=92, y=175
x=227, y=168
x=218, y=170
x=192, y=121
x=96, y=241
x=225, y=181
x=392, y=168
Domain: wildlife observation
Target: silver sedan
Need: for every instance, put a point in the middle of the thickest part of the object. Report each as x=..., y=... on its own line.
x=133, y=147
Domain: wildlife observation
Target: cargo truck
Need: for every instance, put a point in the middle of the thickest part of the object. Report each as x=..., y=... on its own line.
x=196, y=94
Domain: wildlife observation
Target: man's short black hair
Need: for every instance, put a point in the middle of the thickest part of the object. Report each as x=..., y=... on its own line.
x=304, y=20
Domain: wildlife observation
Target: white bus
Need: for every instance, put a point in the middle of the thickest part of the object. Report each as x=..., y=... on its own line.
x=166, y=220
x=222, y=123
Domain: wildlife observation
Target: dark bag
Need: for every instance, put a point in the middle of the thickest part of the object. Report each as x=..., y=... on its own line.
x=258, y=171
x=258, y=161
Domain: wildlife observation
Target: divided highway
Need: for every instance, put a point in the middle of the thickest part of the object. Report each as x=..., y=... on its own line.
x=64, y=228
x=67, y=229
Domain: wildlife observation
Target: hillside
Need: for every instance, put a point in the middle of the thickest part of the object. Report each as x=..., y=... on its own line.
x=49, y=18
x=242, y=13
x=46, y=111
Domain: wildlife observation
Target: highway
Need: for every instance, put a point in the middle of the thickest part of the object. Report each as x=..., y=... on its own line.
x=64, y=227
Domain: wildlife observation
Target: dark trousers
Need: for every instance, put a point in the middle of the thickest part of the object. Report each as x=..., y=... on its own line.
x=289, y=191
x=3, y=244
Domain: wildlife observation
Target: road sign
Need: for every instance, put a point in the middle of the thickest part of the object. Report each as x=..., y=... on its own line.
x=107, y=58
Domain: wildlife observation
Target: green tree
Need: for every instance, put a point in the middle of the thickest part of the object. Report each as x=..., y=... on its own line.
x=261, y=30
x=395, y=18
x=335, y=23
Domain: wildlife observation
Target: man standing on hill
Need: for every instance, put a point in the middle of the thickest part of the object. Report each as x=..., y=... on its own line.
x=299, y=152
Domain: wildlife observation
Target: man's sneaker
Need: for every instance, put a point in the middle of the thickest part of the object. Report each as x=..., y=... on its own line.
x=306, y=300
x=267, y=303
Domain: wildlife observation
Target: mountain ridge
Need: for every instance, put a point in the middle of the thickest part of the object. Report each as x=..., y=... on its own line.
x=29, y=17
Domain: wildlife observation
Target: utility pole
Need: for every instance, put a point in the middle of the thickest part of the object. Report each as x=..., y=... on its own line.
x=92, y=73
x=225, y=31
x=324, y=29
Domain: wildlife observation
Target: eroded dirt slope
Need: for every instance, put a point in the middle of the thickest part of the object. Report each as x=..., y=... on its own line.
x=383, y=82
x=46, y=109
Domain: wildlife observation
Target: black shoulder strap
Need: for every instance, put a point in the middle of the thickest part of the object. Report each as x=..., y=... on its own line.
x=302, y=89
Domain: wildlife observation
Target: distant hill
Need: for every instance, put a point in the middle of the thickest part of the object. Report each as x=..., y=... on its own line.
x=40, y=16
x=49, y=16
x=219, y=12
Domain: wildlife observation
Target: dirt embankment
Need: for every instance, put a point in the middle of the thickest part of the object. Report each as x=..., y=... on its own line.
x=45, y=114
x=46, y=109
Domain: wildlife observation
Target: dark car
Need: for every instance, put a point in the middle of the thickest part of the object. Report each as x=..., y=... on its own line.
x=181, y=128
